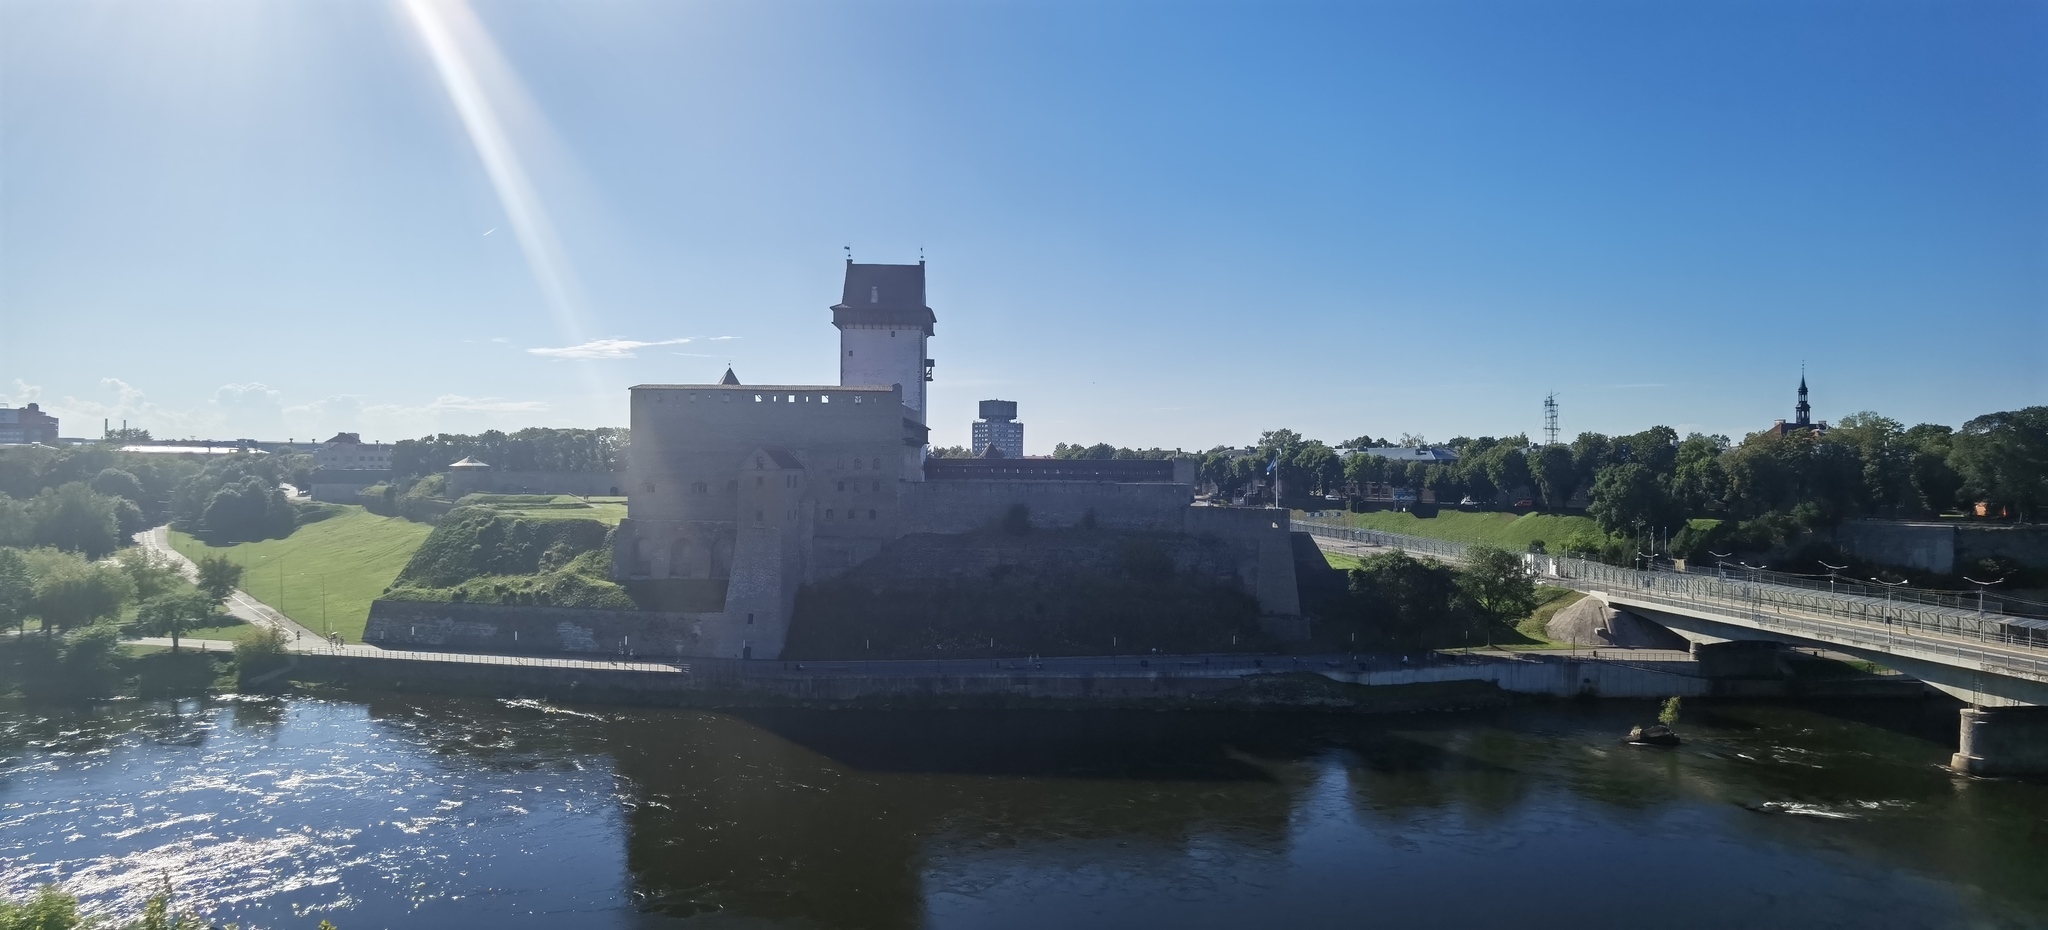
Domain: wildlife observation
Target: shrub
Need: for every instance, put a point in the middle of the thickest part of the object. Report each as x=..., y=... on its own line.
x=1017, y=520
x=260, y=650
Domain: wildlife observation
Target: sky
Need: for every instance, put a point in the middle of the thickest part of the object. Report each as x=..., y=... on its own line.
x=1173, y=224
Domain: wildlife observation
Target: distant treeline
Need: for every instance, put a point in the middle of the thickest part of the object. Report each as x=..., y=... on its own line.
x=530, y=449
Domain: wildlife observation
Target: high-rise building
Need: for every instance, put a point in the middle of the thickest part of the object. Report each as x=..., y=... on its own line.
x=998, y=427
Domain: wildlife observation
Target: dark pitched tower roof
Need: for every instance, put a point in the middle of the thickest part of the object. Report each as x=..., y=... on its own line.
x=882, y=295
x=729, y=377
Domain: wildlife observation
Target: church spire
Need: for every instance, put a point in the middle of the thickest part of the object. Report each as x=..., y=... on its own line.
x=1803, y=414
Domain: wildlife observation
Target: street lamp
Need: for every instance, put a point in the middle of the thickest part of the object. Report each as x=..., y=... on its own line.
x=1832, y=569
x=1981, y=585
x=1888, y=586
x=1720, y=563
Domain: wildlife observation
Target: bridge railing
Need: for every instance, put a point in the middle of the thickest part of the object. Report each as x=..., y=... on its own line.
x=1746, y=592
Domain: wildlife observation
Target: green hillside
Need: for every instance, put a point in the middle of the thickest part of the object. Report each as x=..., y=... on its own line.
x=355, y=554
x=1505, y=530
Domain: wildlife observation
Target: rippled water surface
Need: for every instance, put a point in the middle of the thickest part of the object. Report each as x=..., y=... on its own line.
x=427, y=812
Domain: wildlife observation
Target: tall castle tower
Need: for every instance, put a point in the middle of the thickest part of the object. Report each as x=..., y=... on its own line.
x=883, y=324
x=1803, y=413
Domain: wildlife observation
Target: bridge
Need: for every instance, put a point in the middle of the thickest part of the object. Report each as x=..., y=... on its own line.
x=1984, y=652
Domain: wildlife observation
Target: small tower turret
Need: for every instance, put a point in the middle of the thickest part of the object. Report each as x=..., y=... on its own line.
x=1803, y=413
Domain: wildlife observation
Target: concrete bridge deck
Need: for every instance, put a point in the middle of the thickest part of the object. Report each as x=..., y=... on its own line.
x=1993, y=660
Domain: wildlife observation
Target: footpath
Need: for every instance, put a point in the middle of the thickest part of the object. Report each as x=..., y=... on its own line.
x=239, y=604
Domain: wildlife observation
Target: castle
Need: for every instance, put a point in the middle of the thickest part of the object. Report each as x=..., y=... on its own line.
x=739, y=494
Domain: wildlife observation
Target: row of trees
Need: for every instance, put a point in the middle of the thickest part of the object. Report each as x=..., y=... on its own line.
x=530, y=449
x=66, y=591
x=1395, y=601
x=1868, y=465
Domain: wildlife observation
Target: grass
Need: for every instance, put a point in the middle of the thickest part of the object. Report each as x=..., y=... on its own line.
x=606, y=510
x=355, y=554
x=1549, y=601
x=230, y=631
x=1504, y=530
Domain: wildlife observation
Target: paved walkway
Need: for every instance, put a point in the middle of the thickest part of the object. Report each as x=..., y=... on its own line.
x=244, y=608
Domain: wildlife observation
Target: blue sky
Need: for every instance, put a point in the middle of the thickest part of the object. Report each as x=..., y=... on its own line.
x=1171, y=224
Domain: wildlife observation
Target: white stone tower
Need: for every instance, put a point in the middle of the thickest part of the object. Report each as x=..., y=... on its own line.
x=883, y=327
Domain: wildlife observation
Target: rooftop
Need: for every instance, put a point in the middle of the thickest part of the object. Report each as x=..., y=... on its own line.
x=884, y=295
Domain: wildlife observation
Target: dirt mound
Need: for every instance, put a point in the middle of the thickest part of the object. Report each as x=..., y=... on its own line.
x=1592, y=623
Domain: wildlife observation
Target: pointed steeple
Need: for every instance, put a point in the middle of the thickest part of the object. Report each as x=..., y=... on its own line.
x=1803, y=414
x=729, y=378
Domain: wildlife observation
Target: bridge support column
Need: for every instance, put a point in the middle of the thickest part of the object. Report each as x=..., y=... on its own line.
x=2002, y=741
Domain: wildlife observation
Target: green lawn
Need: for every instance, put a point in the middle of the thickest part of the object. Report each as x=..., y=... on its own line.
x=231, y=630
x=607, y=510
x=1505, y=530
x=353, y=555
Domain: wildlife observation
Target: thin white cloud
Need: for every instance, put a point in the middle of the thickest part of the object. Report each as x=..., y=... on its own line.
x=450, y=402
x=605, y=348
x=721, y=338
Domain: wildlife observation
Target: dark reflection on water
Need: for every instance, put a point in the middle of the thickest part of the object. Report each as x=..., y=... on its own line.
x=405, y=811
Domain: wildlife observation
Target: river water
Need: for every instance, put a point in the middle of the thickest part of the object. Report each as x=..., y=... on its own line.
x=414, y=811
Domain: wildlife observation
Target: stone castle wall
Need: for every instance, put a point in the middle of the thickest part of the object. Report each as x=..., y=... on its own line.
x=965, y=506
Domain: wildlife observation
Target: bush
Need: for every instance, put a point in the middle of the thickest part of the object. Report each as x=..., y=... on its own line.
x=1017, y=520
x=474, y=542
x=260, y=650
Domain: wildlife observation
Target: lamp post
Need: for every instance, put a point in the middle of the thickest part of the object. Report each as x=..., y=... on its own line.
x=1720, y=563
x=1832, y=569
x=1888, y=586
x=1981, y=585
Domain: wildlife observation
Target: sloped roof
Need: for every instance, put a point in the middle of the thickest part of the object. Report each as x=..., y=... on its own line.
x=884, y=295
x=729, y=378
x=469, y=462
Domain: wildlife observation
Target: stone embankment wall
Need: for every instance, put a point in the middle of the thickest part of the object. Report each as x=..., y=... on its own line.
x=1942, y=548
x=520, y=630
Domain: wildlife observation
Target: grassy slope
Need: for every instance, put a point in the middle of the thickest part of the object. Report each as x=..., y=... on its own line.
x=1497, y=529
x=606, y=510
x=357, y=553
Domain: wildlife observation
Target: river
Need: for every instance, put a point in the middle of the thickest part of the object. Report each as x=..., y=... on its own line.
x=418, y=811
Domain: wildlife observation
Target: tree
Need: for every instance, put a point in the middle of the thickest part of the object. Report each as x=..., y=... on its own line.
x=74, y=593
x=17, y=589
x=1551, y=469
x=17, y=527
x=2003, y=457
x=1697, y=477
x=74, y=518
x=151, y=573
x=219, y=577
x=114, y=482
x=1627, y=496
x=1507, y=466
x=174, y=613
x=1408, y=602
x=1498, y=582
x=1936, y=483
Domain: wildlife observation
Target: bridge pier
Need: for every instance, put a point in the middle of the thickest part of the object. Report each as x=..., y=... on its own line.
x=2002, y=741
